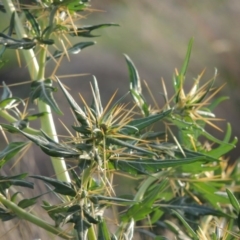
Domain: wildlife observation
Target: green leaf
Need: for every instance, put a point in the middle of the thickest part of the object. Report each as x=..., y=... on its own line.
x=75, y=49
x=129, y=146
x=14, y=197
x=35, y=26
x=61, y=187
x=186, y=225
x=90, y=218
x=10, y=128
x=103, y=232
x=27, y=202
x=85, y=31
x=10, y=103
x=152, y=166
x=139, y=124
x=75, y=177
x=50, y=147
x=79, y=113
x=233, y=201
x=178, y=80
x=16, y=180
x=208, y=192
x=194, y=209
x=2, y=8
x=120, y=201
x=216, y=102
x=140, y=210
x=6, y=92
x=5, y=215
x=187, y=58
x=11, y=43
x=10, y=151
x=225, y=147
x=43, y=90
x=97, y=103
x=24, y=123
x=135, y=87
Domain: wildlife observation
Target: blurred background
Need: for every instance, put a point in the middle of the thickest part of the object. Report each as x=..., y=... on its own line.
x=155, y=35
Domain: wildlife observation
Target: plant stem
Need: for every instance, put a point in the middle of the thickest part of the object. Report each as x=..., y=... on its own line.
x=37, y=72
x=91, y=233
x=21, y=213
x=4, y=114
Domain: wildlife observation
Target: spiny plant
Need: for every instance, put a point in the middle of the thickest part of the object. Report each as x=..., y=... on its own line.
x=184, y=187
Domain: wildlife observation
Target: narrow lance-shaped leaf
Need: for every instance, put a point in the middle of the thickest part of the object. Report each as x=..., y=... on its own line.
x=135, y=87
x=178, y=79
x=152, y=166
x=75, y=49
x=79, y=113
x=97, y=103
x=103, y=232
x=48, y=145
x=129, y=145
x=186, y=225
x=86, y=31
x=28, y=202
x=17, y=180
x=142, y=123
x=43, y=90
x=10, y=31
x=10, y=151
x=61, y=187
x=11, y=43
x=233, y=201
x=195, y=210
x=224, y=148
x=35, y=26
x=6, y=92
x=187, y=58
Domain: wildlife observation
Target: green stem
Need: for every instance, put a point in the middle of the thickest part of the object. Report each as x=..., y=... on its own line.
x=4, y=114
x=37, y=72
x=91, y=233
x=21, y=213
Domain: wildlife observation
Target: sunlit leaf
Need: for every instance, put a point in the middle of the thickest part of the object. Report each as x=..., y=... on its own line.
x=97, y=103
x=225, y=147
x=233, y=201
x=208, y=192
x=135, y=87
x=79, y=113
